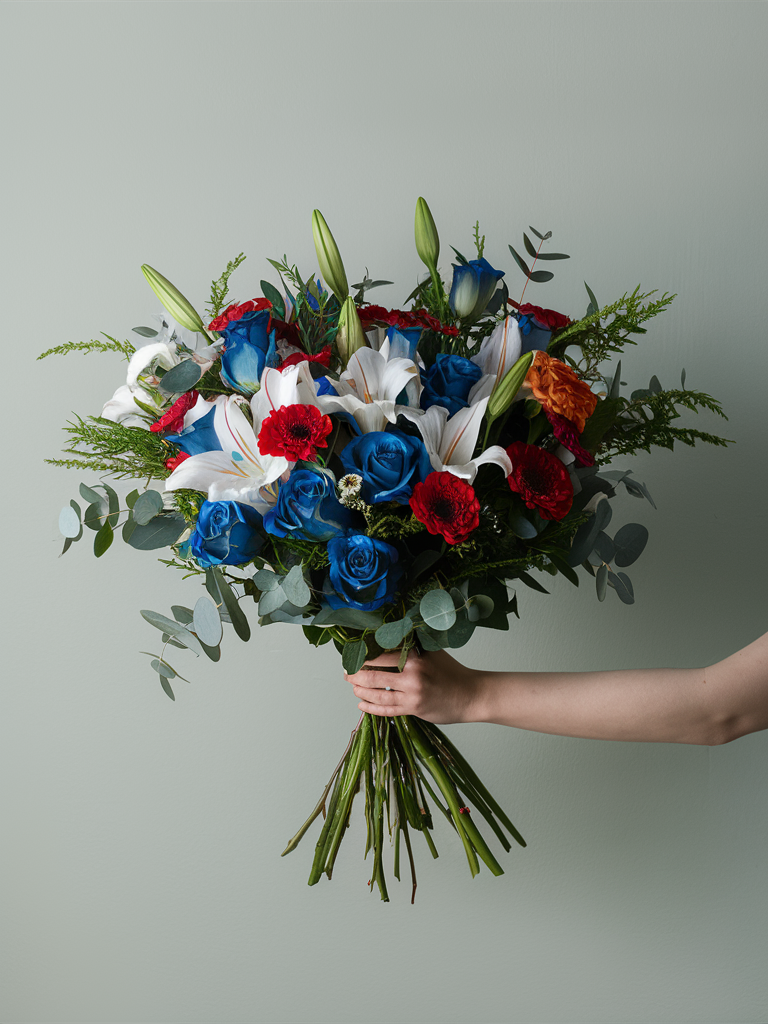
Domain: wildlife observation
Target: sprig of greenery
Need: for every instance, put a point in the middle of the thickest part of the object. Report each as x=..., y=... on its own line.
x=479, y=241
x=106, y=447
x=188, y=503
x=95, y=345
x=220, y=287
x=646, y=421
x=598, y=339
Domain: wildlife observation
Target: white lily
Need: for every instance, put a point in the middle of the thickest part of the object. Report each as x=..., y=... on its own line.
x=239, y=472
x=500, y=350
x=122, y=407
x=451, y=441
x=369, y=388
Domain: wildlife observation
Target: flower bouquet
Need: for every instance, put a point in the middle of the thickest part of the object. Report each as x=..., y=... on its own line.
x=378, y=477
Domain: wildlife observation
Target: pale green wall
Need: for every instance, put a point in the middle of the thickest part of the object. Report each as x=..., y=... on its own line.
x=140, y=870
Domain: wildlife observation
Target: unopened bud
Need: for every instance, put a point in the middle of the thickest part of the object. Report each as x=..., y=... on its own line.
x=351, y=335
x=329, y=258
x=180, y=308
x=505, y=390
x=427, y=238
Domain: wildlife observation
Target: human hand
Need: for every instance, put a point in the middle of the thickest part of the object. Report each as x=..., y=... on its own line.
x=432, y=686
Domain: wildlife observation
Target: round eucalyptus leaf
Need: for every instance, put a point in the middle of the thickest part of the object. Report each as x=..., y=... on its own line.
x=181, y=378
x=214, y=653
x=601, y=582
x=353, y=656
x=432, y=640
x=69, y=522
x=460, y=632
x=622, y=584
x=480, y=607
x=94, y=515
x=437, y=610
x=630, y=543
x=207, y=622
x=103, y=539
x=162, y=668
x=392, y=634
x=604, y=547
x=523, y=528
x=147, y=506
x=88, y=494
x=266, y=580
x=295, y=587
x=271, y=600
x=163, y=531
x=182, y=614
x=130, y=499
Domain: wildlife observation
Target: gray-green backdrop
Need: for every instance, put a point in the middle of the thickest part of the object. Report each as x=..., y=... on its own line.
x=140, y=871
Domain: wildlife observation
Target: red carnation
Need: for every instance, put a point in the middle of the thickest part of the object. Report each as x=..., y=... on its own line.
x=446, y=505
x=567, y=434
x=175, y=460
x=295, y=431
x=541, y=480
x=404, y=319
x=323, y=357
x=173, y=420
x=549, y=319
x=235, y=312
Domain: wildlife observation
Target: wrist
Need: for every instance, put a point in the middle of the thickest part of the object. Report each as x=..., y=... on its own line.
x=480, y=704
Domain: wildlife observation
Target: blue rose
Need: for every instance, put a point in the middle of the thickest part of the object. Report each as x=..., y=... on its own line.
x=472, y=287
x=403, y=341
x=390, y=463
x=248, y=348
x=227, y=533
x=307, y=508
x=448, y=382
x=199, y=437
x=364, y=572
x=535, y=337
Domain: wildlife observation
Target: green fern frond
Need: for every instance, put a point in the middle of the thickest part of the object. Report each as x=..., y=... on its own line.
x=125, y=348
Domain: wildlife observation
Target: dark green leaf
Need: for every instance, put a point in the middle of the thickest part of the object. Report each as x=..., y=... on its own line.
x=88, y=494
x=103, y=539
x=353, y=657
x=130, y=499
x=214, y=653
x=316, y=635
x=167, y=687
x=537, y=233
x=553, y=256
x=564, y=568
x=431, y=640
x=616, y=382
x=236, y=613
x=114, y=505
x=163, y=531
x=522, y=527
x=530, y=248
x=462, y=259
x=480, y=607
x=601, y=582
x=147, y=506
x=69, y=522
x=460, y=632
x=604, y=547
x=128, y=527
x=270, y=292
x=593, y=303
x=352, y=617
x=520, y=262
x=497, y=592
x=623, y=587
x=94, y=514
x=638, y=490
x=682, y=379
x=207, y=622
x=392, y=634
x=181, y=378
x=540, y=276
x=145, y=332
x=655, y=385
x=266, y=580
x=630, y=543
x=182, y=614
x=437, y=610
x=67, y=546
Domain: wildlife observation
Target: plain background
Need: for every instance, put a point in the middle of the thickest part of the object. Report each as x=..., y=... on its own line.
x=141, y=877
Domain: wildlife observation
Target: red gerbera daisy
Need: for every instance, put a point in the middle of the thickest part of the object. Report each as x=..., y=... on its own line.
x=447, y=506
x=295, y=431
x=541, y=480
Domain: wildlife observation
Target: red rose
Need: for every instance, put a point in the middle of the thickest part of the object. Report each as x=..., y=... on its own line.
x=548, y=319
x=447, y=506
x=173, y=420
x=235, y=312
x=541, y=480
x=295, y=431
x=323, y=357
x=567, y=434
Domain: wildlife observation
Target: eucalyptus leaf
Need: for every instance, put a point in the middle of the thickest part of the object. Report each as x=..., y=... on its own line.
x=236, y=613
x=437, y=610
x=352, y=617
x=69, y=522
x=594, y=306
x=67, y=545
x=424, y=560
x=163, y=668
x=295, y=587
x=182, y=614
x=103, y=539
x=654, y=385
x=630, y=543
x=553, y=256
x=682, y=379
x=604, y=547
x=601, y=582
x=530, y=248
x=163, y=531
x=522, y=527
x=166, y=625
x=563, y=568
x=616, y=382
x=316, y=635
x=181, y=378
x=214, y=653
x=147, y=506
x=353, y=656
x=94, y=515
x=480, y=607
x=622, y=585
x=392, y=634
x=130, y=499
x=520, y=262
x=114, y=505
x=145, y=332
x=167, y=687
x=128, y=527
x=270, y=292
x=540, y=276
x=460, y=632
x=266, y=580
x=271, y=600
x=88, y=494
x=207, y=622
x=432, y=640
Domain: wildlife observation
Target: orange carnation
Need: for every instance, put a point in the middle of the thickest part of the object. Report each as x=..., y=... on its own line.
x=560, y=390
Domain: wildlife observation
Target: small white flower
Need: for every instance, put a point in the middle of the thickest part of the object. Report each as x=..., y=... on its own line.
x=350, y=485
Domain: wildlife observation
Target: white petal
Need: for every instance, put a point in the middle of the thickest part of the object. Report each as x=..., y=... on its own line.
x=162, y=353
x=482, y=389
x=430, y=423
x=501, y=350
x=460, y=434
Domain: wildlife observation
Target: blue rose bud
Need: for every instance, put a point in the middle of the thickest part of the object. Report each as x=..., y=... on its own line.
x=390, y=463
x=227, y=533
x=307, y=508
x=448, y=382
x=472, y=288
x=364, y=572
x=249, y=346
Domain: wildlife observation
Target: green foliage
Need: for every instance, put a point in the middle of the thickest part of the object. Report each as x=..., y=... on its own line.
x=598, y=340
x=479, y=240
x=317, y=327
x=125, y=348
x=646, y=421
x=106, y=447
x=386, y=524
x=188, y=503
x=220, y=288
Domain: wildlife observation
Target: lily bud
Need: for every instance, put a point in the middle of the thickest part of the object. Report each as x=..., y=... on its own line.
x=504, y=393
x=351, y=335
x=180, y=308
x=427, y=238
x=329, y=258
